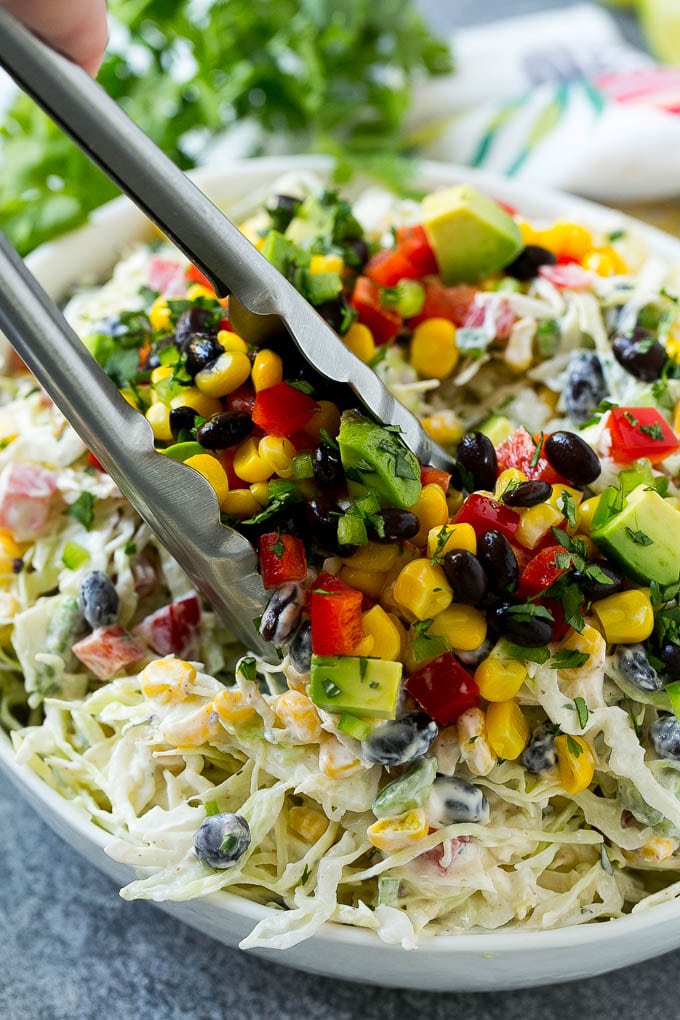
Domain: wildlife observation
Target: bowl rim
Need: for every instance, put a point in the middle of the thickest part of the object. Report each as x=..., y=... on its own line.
x=508, y=940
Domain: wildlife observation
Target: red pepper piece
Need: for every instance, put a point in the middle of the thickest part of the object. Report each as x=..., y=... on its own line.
x=225, y=324
x=194, y=274
x=282, y=410
x=640, y=432
x=443, y=689
x=384, y=323
x=541, y=571
x=452, y=303
x=519, y=451
x=242, y=399
x=227, y=461
x=336, y=616
x=413, y=242
x=486, y=514
x=282, y=559
x=433, y=476
x=387, y=268
x=108, y=650
x=94, y=462
x=174, y=629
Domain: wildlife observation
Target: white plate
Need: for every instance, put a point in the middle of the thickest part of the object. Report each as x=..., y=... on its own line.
x=468, y=962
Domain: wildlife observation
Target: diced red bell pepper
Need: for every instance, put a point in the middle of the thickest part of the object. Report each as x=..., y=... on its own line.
x=640, y=432
x=242, y=399
x=388, y=267
x=225, y=324
x=433, y=476
x=413, y=242
x=452, y=303
x=174, y=629
x=167, y=277
x=384, y=323
x=109, y=650
x=523, y=556
x=194, y=275
x=541, y=572
x=519, y=451
x=26, y=492
x=282, y=559
x=282, y=410
x=226, y=458
x=443, y=689
x=568, y=276
x=93, y=461
x=487, y=514
x=335, y=611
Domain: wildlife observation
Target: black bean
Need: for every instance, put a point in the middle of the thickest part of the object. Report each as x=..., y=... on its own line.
x=529, y=493
x=182, y=419
x=190, y=321
x=495, y=554
x=400, y=741
x=664, y=736
x=634, y=666
x=301, y=648
x=477, y=461
x=328, y=469
x=323, y=524
x=640, y=354
x=585, y=386
x=398, y=525
x=282, y=209
x=201, y=350
x=519, y=624
x=466, y=576
x=357, y=252
x=224, y=429
x=282, y=615
x=670, y=656
x=455, y=800
x=595, y=589
x=529, y=261
x=222, y=840
x=98, y=600
x=337, y=313
x=539, y=755
x=572, y=458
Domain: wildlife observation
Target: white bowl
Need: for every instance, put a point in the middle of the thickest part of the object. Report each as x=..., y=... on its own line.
x=470, y=962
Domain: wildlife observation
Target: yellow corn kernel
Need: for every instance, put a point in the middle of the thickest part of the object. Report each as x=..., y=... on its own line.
x=335, y=760
x=406, y=553
x=359, y=340
x=10, y=552
x=158, y=417
x=454, y=501
x=366, y=581
x=500, y=679
x=200, y=727
x=248, y=464
x=299, y=716
x=446, y=538
x=604, y=262
x=267, y=370
x=260, y=490
x=161, y=374
x=475, y=749
x=655, y=851
x=676, y=413
x=462, y=627
x=308, y=823
x=199, y=290
x=374, y=557
x=625, y=618
x=168, y=679
x=511, y=476
x=535, y=523
x=326, y=418
x=224, y=375
x=232, y=341
x=422, y=589
x=201, y=403
x=445, y=427
x=380, y=626
x=591, y=643
x=585, y=513
x=277, y=453
x=159, y=314
x=326, y=264
x=507, y=729
x=391, y=834
x=566, y=238
x=232, y=707
x=575, y=763
x=434, y=353
x=556, y=498
x=431, y=509
x=212, y=471
x=530, y=234
x=240, y=503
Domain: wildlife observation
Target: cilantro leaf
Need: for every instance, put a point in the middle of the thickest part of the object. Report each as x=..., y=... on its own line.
x=574, y=747
x=82, y=509
x=569, y=658
x=639, y=537
x=582, y=712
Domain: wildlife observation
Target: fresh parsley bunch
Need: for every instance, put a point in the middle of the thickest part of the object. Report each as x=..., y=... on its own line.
x=334, y=76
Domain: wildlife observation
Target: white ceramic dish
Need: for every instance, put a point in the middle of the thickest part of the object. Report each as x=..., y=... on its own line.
x=462, y=963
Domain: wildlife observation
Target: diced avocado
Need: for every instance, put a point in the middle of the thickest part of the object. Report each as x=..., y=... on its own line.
x=643, y=538
x=320, y=287
x=376, y=459
x=182, y=451
x=362, y=687
x=470, y=234
x=283, y=253
x=313, y=220
x=408, y=791
x=497, y=428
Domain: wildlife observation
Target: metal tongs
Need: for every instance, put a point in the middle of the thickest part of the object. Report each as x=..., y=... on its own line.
x=179, y=505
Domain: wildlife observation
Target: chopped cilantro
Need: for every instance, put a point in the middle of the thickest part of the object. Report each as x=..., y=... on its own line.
x=574, y=747
x=130, y=549
x=327, y=438
x=639, y=537
x=600, y=410
x=82, y=509
x=538, y=451
x=247, y=667
x=305, y=875
x=582, y=712
x=568, y=507
x=278, y=548
x=654, y=431
x=662, y=394
x=527, y=612
x=569, y=658
x=526, y=653
x=332, y=690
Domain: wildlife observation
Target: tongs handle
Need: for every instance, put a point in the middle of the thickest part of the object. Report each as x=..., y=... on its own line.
x=177, y=503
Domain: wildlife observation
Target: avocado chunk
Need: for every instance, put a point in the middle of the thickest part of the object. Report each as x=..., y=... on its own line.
x=312, y=220
x=376, y=459
x=283, y=254
x=643, y=538
x=359, y=686
x=470, y=234
x=497, y=428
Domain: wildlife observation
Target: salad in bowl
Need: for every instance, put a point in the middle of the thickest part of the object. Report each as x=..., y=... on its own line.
x=474, y=722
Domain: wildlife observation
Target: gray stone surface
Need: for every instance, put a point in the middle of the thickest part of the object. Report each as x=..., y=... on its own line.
x=70, y=949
